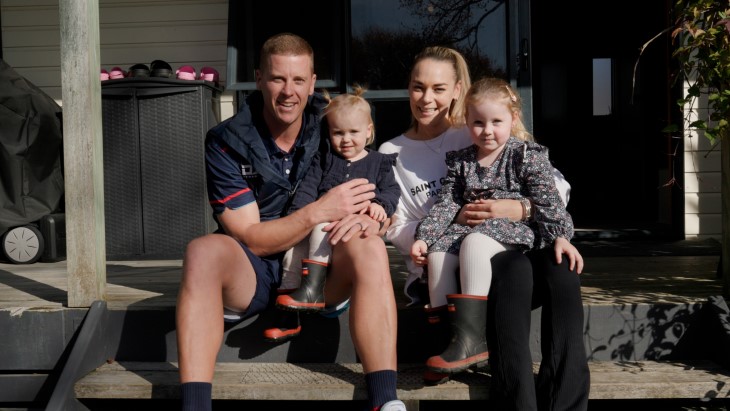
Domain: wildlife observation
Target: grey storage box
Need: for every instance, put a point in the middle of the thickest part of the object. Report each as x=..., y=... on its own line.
x=155, y=198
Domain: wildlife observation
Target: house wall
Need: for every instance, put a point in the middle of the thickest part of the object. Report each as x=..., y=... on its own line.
x=194, y=32
x=181, y=32
x=702, y=173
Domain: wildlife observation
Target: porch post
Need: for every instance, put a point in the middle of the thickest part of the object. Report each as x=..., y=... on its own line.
x=725, y=190
x=82, y=152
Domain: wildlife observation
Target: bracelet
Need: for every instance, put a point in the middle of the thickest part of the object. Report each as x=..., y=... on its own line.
x=526, y=209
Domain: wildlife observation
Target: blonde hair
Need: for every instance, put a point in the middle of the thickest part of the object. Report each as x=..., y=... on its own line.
x=350, y=101
x=496, y=89
x=457, y=110
x=286, y=44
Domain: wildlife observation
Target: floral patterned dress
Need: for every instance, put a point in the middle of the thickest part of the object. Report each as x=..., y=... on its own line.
x=522, y=170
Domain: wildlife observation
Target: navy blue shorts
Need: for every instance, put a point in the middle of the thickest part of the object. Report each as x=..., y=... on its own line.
x=268, y=277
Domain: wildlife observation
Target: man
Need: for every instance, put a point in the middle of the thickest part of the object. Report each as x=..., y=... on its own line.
x=254, y=161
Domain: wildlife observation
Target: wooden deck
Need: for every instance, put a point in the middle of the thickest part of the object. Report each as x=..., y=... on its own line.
x=148, y=284
x=622, y=292
x=330, y=382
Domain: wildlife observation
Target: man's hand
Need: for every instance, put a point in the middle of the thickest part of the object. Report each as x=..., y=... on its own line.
x=563, y=246
x=475, y=213
x=350, y=226
x=347, y=198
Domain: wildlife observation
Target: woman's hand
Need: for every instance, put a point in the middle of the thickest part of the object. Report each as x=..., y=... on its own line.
x=475, y=213
x=563, y=246
x=419, y=253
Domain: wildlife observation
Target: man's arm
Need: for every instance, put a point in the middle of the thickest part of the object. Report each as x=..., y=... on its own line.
x=269, y=237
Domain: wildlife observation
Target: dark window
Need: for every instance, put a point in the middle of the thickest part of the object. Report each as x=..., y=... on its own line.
x=250, y=23
x=371, y=43
x=387, y=34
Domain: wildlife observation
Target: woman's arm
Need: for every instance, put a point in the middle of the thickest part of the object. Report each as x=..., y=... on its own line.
x=473, y=214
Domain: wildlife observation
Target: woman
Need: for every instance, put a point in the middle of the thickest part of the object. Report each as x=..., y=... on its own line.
x=438, y=83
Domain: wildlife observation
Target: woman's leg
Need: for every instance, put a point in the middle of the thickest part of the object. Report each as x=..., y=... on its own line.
x=508, y=331
x=564, y=379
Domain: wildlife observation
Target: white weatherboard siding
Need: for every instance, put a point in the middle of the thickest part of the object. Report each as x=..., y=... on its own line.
x=182, y=32
x=702, y=191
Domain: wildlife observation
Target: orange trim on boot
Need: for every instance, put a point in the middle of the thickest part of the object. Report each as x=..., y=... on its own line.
x=286, y=302
x=438, y=364
x=293, y=301
x=277, y=334
x=435, y=378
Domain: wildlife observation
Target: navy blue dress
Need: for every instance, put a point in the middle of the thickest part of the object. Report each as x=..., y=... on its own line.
x=331, y=170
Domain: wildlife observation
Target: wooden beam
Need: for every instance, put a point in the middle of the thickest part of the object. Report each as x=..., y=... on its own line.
x=82, y=150
x=725, y=216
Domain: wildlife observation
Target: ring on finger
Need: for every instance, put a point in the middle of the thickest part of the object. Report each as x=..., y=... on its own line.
x=362, y=227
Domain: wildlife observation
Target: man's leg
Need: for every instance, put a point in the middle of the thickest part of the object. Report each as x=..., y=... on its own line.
x=360, y=268
x=215, y=271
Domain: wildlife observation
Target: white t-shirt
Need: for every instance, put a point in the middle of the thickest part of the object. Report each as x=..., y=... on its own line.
x=419, y=171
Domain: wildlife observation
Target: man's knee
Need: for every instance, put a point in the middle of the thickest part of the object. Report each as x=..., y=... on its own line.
x=203, y=247
x=204, y=256
x=362, y=247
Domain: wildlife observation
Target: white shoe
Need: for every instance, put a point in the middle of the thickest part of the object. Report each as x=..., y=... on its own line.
x=395, y=405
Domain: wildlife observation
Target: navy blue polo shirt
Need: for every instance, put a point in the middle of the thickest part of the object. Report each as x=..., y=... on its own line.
x=232, y=181
x=243, y=164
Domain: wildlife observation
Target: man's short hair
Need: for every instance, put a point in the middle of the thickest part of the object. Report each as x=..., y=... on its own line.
x=285, y=44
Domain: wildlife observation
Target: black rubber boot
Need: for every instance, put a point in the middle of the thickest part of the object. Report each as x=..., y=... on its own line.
x=468, y=346
x=436, y=316
x=287, y=324
x=438, y=328
x=310, y=294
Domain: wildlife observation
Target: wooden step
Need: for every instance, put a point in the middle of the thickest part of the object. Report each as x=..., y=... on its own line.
x=316, y=382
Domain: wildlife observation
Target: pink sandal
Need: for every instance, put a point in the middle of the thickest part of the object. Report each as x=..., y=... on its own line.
x=209, y=74
x=117, y=73
x=186, y=73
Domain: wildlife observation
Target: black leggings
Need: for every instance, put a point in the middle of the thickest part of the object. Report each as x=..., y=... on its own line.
x=521, y=282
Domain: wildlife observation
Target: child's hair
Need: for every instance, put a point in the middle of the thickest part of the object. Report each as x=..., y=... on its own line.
x=457, y=111
x=499, y=90
x=350, y=101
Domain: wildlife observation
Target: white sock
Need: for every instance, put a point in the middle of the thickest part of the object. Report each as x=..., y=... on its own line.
x=320, y=249
x=291, y=276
